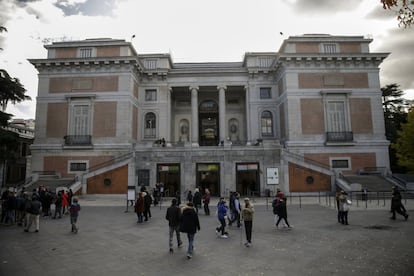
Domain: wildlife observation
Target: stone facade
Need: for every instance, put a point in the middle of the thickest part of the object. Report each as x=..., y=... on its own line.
x=246, y=126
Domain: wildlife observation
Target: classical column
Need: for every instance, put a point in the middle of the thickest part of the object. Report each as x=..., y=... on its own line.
x=247, y=103
x=169, y=116
x=194, y=115
x=222, y=113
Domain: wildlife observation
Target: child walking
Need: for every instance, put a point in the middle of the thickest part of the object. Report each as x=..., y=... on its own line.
x=74, y=213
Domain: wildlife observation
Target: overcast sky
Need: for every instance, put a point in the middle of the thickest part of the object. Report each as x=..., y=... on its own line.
x=196, y=31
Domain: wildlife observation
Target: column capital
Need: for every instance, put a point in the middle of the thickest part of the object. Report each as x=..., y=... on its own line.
x=193, y=87
x=219, y=87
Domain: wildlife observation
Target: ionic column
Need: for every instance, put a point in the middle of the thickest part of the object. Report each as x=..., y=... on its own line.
x=247, y=103
x=222, y=112
x=194, y=115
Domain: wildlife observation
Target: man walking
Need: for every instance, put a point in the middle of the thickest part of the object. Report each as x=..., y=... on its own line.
x=33, y=211
x=173, y=216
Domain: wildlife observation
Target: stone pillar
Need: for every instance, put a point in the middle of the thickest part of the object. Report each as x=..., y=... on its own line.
x=169, y=116
x=194, y=115
x=222, y=113
x=247, y=103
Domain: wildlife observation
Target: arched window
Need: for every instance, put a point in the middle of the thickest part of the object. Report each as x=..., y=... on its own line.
x=150, y=125
x=267, y=124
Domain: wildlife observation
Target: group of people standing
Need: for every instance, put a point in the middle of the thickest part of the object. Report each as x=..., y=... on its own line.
x=25, y=209
x=143, y=205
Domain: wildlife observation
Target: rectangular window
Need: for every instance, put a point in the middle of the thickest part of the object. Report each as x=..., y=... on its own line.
x=265, y=62
x=336, y=116
x=151, y=64
x=85, y=52
x=265, y=93
x=343, y=163
x=329, y=48
x=78, y=166
x=143, y=178
x=80, y=120
x=151, y=95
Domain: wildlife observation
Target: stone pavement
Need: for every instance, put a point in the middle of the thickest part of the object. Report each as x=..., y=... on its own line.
x=110, y=242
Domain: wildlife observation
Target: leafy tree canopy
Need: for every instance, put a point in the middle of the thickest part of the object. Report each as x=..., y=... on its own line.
x=405, y=11
x=405, y=147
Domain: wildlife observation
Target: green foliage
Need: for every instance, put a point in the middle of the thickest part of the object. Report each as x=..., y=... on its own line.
x=394, y=107
x=404, y=146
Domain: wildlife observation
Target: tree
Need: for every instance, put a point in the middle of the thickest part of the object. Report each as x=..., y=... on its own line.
x=11, y=90
x=405, y=11
x=404, y=146
x=394, y=115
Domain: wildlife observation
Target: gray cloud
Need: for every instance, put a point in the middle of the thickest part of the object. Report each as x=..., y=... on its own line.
x=380, y=13
x=399, y=66
x=323, y=6
x=89, y=7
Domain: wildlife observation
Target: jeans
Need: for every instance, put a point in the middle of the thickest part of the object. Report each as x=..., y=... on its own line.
x=175, y=229
x=223, y=226
x=206, y=209
x=248, y=225
x=190, y=237
x=33, y=218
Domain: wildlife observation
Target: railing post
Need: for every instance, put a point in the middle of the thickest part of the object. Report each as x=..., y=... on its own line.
x=300, y=201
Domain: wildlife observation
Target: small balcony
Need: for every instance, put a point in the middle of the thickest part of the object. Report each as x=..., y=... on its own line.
x=78, y=140
x=340, y=137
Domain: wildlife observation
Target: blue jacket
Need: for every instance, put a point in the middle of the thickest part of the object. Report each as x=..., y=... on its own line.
x=221, y=210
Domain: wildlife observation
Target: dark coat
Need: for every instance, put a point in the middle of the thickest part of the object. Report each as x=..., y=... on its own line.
x=189, y=221
x=173, y=215
x=139, y=205
x=197, y=198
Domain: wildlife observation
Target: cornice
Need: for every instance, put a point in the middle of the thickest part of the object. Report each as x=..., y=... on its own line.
x=70, y=63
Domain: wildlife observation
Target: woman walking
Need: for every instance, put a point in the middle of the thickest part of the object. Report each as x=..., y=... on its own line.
x=247, y=217
x=189, y=224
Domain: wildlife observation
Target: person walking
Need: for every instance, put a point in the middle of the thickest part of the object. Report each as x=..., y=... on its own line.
x=58, y=205
x=221, y=215
x=197, y=199
x=206, y=202
x=189, y=196
x=74, y=213
x=236, y=210
x=147, y=205
x=282, y=212
x=396, y=204
x=33, y=211
x=343, y=207
x=247, y=217
x=189, y=224
x=173, y=216
x=65, y=202
x=139, y=207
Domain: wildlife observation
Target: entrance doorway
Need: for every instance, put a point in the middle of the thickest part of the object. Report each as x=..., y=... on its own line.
x=247, y=179
x=208, y=177
x=169, y=176
x=208, y=127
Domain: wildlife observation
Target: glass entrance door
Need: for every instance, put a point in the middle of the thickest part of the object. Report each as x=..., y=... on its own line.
x=208, y=177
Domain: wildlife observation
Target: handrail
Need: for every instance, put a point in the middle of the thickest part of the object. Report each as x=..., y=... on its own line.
x=110, y=162
x=307, y=160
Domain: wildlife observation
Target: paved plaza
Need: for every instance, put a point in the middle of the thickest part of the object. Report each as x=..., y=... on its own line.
x=110, y=242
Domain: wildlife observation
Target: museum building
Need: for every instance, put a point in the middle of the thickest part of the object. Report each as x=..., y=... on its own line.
x=294, y=119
